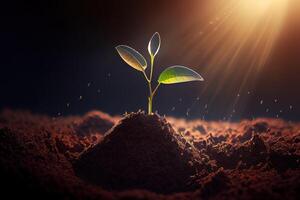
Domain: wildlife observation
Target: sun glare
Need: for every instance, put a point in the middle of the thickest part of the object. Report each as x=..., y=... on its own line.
x=259, y=8
x=236, y=41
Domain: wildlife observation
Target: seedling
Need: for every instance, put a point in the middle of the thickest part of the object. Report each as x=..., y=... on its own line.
x=171, y=75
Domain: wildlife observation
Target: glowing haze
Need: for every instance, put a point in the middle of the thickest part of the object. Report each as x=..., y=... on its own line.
x=63, y=60
x=235, y=42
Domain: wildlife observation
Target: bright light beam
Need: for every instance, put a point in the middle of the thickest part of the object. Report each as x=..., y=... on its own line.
x=236, y=42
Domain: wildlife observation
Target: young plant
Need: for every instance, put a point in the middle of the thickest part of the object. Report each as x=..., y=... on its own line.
x=171, y=75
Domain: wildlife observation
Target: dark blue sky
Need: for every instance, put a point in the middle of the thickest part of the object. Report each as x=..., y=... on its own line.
x=53, y=52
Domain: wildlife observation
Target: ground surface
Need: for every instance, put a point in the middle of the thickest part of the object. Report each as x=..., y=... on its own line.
x=97, y=156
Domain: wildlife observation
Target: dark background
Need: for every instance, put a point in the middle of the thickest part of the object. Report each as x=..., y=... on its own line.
x=53, y=52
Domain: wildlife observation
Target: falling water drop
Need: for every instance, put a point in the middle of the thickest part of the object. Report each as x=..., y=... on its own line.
x=205, y=107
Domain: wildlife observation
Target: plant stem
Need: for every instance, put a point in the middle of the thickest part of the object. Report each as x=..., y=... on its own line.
x=149, y=105
x=149, y=80
x=154, y=91
x=151, y=69
x=145, y=75
x=150, y=98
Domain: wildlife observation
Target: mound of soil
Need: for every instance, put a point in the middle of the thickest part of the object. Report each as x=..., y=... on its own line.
x=251, y=159
x=93, y=122
x=141, y=151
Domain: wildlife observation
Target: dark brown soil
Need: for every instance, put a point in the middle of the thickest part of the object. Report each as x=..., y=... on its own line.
x=143, y=157
x=147, y=154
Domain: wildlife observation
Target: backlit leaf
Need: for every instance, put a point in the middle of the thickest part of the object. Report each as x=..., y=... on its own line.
x=132, y=57
x=154, y=44
x=178, y=74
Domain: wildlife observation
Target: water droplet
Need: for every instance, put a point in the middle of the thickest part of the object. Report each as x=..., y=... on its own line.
x=80, y=97
x=275, y=100
x=261, y=102
x=68, y=105
x=89, y=84
x=188, y=112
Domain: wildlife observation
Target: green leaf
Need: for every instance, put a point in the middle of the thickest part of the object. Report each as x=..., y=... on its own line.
x=132, y=57
x=154, y=44
x=178, y=74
